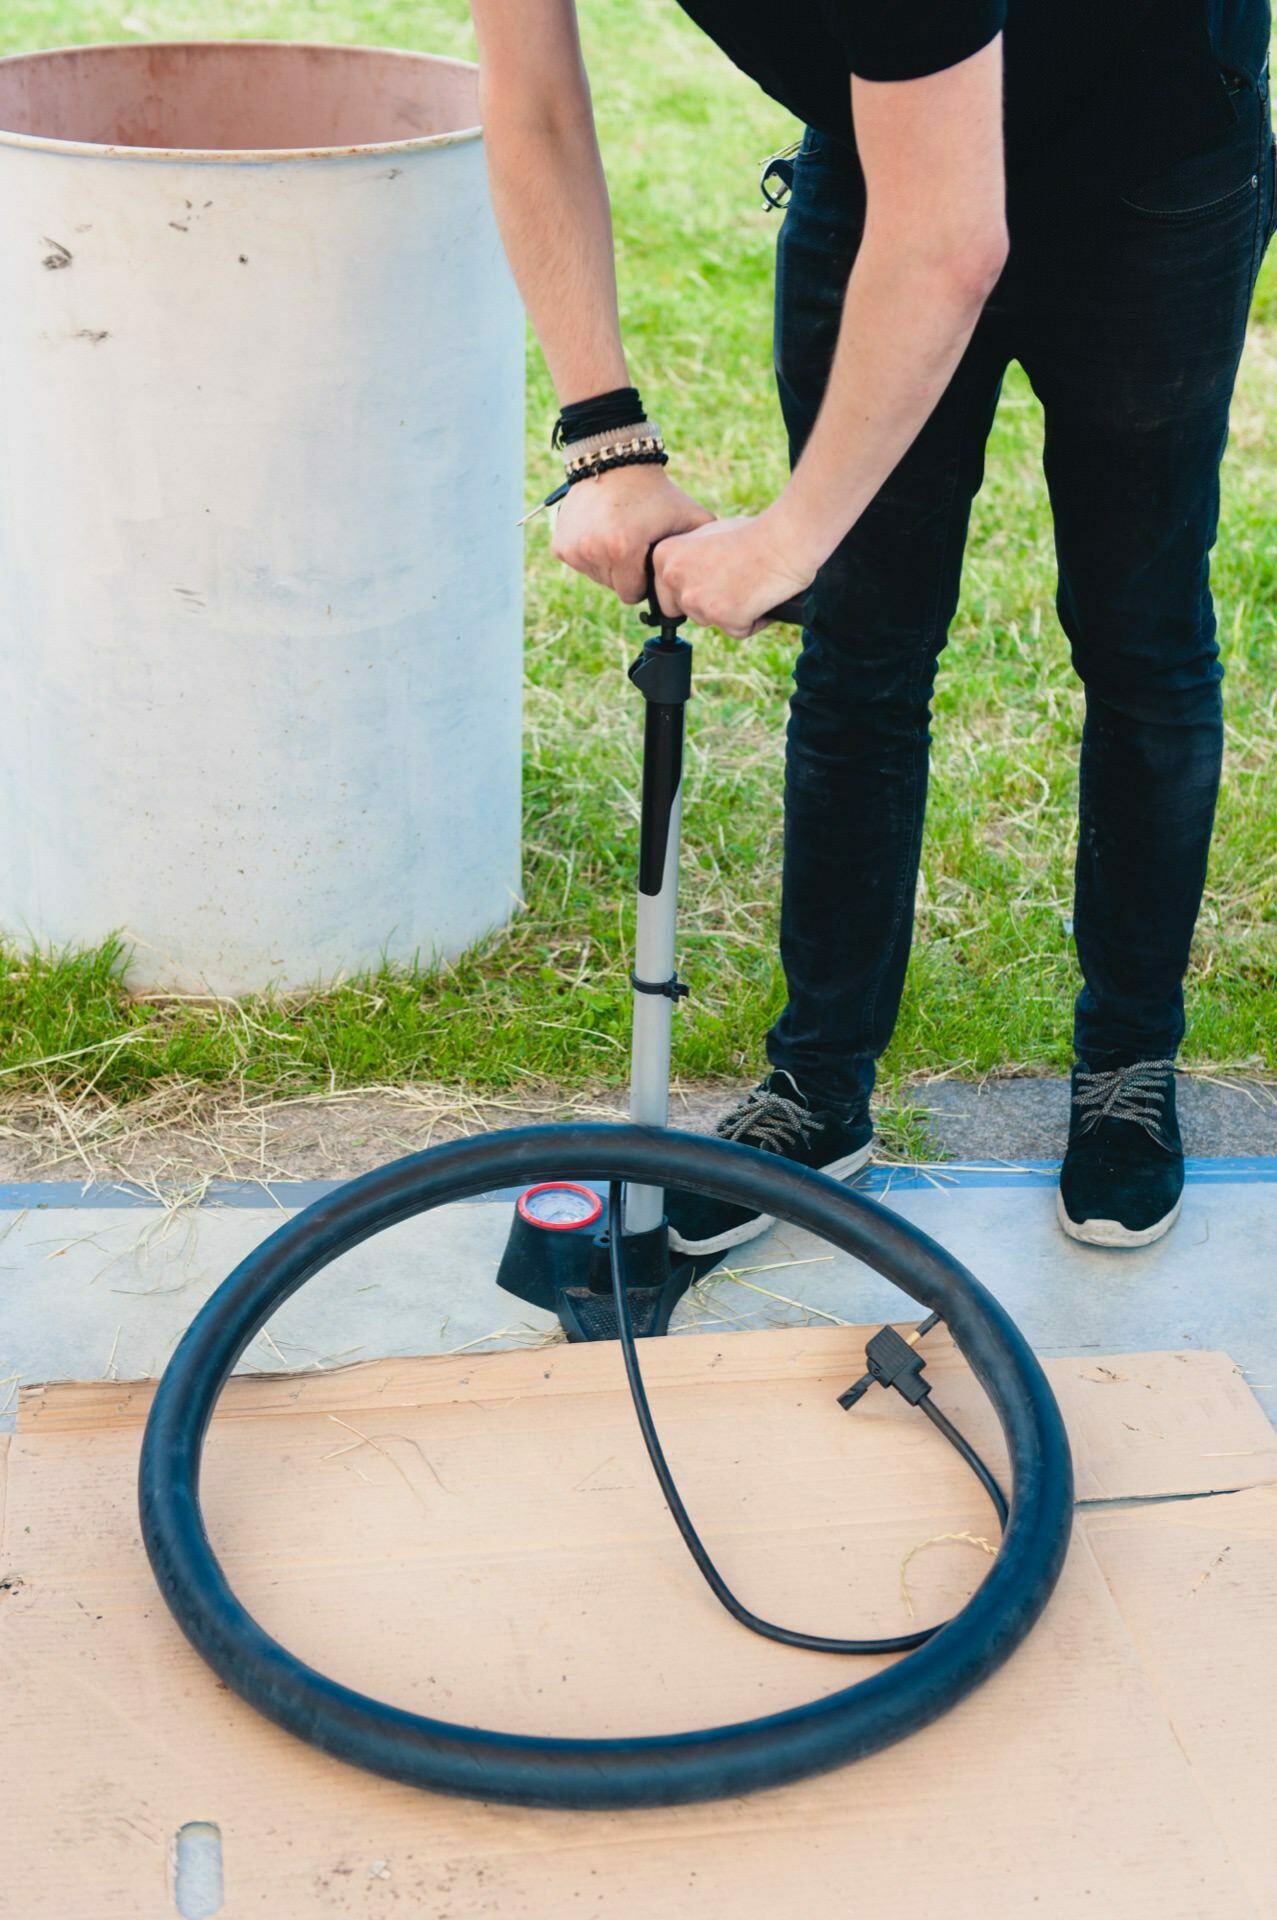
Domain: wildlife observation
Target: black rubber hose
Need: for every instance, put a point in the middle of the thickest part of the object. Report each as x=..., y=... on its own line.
x=768, y=1629
x=659, y=1770
x=969, y=1454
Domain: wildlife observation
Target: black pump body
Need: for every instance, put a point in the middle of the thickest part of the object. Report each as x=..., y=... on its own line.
x=567, y=1271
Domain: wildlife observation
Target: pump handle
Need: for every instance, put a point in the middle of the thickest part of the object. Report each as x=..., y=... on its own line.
x=792, y=612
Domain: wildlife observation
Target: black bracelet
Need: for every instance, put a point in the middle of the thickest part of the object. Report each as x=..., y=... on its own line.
x=580, y=418
x=651, y=457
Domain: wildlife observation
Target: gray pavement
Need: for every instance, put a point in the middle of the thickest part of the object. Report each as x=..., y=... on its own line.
x=1014, y=1119
x=101, y=1285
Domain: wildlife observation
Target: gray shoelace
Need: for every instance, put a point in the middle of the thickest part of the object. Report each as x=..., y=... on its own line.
x=773, y=1123
x=1135, y=1093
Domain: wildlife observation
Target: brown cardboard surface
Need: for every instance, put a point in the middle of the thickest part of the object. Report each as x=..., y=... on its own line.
x=480, y=1537
x=1150, y=1429
x=1195, y=1583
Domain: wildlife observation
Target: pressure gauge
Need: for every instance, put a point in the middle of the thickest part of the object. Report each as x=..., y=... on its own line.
x=560, y=1206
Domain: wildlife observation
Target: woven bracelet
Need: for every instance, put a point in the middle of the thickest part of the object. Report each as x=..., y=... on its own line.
x=613, y=437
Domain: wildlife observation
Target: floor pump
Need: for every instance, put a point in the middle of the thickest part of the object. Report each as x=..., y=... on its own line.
x=557, y=1256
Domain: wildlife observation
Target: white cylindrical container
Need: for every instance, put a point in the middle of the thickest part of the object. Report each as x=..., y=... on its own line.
x=260, y=463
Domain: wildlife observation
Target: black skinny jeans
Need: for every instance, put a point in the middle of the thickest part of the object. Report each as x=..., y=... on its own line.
x=1128, y=316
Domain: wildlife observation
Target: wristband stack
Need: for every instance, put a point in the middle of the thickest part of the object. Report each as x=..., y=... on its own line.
x=596, y=436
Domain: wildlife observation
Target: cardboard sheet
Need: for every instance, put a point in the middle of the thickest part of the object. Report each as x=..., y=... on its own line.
x=481, y=1537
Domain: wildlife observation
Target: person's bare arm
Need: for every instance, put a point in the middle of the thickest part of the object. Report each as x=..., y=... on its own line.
x=552, y=207
x=548, y=188
x=933, y=246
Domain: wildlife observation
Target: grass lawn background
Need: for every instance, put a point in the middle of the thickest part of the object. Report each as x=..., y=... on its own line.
x=993, y=973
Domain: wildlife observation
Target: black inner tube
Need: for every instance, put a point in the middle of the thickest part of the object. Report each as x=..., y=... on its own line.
x=659, y=1770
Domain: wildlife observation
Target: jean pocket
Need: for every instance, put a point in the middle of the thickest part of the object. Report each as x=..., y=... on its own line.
x=825, y=153
x=812, y=143
x=1208, y=186
x=1173, y=200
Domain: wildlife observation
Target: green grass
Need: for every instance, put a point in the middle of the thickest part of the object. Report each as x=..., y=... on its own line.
x=993, y=973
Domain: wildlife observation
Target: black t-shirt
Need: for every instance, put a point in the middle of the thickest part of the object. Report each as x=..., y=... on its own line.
x=1090, y=84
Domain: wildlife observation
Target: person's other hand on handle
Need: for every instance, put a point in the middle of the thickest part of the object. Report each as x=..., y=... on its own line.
x=605, y=526
x=729, y=574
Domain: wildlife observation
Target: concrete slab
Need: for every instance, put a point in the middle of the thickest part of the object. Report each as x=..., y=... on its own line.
x=92, y=1292
x=102, y=1284
x=1004, y=1118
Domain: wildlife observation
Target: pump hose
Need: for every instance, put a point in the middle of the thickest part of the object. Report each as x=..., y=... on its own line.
x=655, y=1770
x=786, y=1636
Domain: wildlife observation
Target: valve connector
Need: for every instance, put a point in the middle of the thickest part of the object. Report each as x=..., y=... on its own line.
x=892, y=1362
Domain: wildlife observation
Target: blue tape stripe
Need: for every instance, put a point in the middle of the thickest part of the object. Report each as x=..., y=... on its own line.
x=1224, y=1170
x=288, y=1195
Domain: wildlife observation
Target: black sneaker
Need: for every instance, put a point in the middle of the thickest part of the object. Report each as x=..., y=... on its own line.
x=776, y=1118
x=1122, y=1180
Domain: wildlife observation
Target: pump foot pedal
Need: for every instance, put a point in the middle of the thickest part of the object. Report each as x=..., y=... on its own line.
x=587, y=1315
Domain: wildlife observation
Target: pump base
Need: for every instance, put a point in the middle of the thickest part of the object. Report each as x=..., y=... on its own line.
x=568, y=1273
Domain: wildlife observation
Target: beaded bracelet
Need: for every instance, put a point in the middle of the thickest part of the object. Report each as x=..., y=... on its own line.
x=651, y=456
x=638, y=440
x=639, y=450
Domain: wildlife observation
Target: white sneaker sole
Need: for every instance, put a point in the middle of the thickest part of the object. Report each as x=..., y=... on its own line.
x=1111, y=1233
x=750, y=1229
